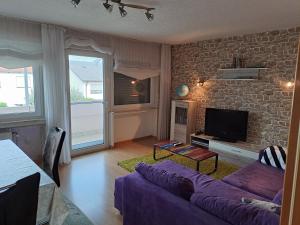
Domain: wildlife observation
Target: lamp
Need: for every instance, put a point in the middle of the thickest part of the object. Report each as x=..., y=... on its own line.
x=200, y=82
x=75, y=2
x=123, y=12
x=289, y=84
x=149, y=15
x=108, y=6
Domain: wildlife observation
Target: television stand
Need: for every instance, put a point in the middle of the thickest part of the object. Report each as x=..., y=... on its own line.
x=224, y=139
x=238, y=148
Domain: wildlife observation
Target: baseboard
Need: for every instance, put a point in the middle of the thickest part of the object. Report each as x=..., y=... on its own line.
x=134, y=140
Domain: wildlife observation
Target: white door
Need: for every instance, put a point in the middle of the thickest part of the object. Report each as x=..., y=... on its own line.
x=88, y=101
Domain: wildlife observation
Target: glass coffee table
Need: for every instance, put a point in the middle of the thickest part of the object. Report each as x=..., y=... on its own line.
x=195, y=153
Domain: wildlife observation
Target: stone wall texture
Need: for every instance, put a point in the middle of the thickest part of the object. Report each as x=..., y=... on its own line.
x=268, y=99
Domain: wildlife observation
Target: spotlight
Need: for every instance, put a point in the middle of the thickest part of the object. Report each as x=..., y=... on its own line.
x=200, y=82
x=149, y=15
x=123, y=12
x=108, y=6
x=75, y=2
x=290, y=84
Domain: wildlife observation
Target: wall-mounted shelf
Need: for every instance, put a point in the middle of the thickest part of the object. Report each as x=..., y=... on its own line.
x=239, y=73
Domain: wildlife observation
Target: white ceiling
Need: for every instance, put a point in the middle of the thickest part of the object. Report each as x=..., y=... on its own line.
x=176, y=21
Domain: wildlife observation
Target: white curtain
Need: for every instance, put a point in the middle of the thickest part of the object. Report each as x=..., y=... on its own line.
x=139, y=60
x=57, y=109
x=20, y=43
x=165, y=94
x=95, y=41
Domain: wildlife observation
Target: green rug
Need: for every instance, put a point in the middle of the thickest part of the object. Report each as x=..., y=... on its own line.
x=224, y=168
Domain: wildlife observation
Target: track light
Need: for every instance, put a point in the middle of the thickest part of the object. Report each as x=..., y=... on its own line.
x=149, y=15
x=123, y=12
x=108, y=6
x=75, y=2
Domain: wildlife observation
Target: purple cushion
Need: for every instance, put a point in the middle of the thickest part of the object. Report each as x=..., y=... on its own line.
x=172, y=182
x=199, y=180
x=234, y=212
x=258, y=179
x=278, y=198
x=222, y=189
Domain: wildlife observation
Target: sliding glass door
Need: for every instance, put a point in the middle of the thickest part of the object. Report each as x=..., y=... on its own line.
x=87, y=99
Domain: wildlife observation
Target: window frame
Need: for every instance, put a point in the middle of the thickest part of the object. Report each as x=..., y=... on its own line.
x=154, y=84
x=38, y=114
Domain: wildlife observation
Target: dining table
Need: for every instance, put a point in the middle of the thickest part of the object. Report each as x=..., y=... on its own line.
x=15, y=165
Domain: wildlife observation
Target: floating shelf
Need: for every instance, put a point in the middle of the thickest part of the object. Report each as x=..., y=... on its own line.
x=239, y=73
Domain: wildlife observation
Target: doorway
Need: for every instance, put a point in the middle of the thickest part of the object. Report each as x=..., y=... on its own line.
x=87, y=101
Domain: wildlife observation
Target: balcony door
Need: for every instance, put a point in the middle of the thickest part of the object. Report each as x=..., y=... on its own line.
x=87, y=101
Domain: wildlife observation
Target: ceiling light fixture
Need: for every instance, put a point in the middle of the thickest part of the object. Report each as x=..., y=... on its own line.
x=123, y=12
x=122, y=5
x=149, y=15
x=75, y=2
x=108, y=6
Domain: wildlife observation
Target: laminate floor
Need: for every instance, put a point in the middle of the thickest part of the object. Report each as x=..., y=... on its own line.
x=89, y=180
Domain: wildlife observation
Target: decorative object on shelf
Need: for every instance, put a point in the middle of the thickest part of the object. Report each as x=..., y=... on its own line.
x=238, y=62
x=200, y=82
x=123, y=12
x=182, y=90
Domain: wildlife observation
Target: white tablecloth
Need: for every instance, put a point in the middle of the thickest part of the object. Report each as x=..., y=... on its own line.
x=15, y=165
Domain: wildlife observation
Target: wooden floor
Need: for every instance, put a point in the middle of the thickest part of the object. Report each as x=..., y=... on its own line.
x=89, y=180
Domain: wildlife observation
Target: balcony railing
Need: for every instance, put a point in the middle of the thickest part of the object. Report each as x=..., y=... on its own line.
x=87, y=122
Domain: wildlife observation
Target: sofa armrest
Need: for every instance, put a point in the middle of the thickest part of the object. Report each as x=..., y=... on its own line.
x=148, y=204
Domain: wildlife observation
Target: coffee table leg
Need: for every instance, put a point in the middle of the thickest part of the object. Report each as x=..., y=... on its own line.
x=198, y=165
x=154, y=152
x=216, y=163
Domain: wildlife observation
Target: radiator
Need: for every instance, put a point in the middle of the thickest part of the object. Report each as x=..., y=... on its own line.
x=5, y=135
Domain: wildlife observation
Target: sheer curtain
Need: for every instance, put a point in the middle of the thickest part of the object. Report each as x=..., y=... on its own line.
x=57, y=109
x=165, y=94
x=139, y=60
x=20, y=43
x=88, y=40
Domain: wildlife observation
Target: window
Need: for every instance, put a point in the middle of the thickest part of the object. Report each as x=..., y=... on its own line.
x=87, y=105
x=128, y=90
x=20, y=81
x=20, y=92
x=96, y=88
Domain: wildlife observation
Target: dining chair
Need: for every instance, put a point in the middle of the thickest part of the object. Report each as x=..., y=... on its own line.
x=19, y=202
x=52, y=152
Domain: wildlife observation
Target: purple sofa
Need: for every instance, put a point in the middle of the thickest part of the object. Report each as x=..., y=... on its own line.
x=214, y=202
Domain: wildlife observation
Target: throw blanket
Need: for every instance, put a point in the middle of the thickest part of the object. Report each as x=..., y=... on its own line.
x=274, y=156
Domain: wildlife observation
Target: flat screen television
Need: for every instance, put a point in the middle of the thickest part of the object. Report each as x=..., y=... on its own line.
x=227, y=125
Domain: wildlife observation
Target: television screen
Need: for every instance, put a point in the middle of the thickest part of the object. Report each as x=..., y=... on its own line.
x=230, y=125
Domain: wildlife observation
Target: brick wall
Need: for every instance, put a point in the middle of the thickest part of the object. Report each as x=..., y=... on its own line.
x=268, y=99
